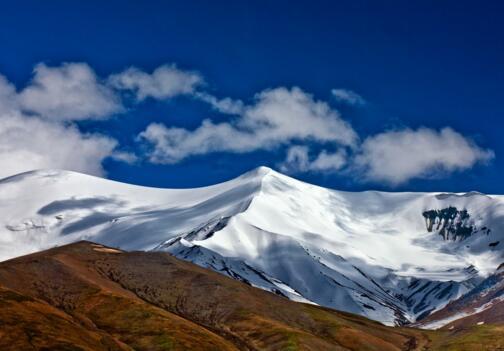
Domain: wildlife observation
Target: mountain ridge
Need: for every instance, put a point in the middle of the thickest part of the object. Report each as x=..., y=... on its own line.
x=369, y=253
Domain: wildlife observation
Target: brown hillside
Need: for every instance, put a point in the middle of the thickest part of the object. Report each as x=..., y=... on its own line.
x=88, y=297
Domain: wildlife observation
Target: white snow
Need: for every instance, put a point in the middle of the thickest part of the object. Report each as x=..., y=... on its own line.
x=366, y=252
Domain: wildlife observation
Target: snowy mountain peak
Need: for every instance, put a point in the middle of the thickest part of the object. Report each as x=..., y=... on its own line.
x=263, y=170
x=262, y=173
x=381, y=255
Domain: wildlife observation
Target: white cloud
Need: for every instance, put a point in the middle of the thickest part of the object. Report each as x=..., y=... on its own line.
x=226, y=105
x=165, y=81
x=123, y=156
x=28, y=143
x=37, y=128
x=298, y=160
x=284, y=114
x=46, y=137
x=329, y=162
x=395, y=157
x=8, y=96
x=68, y=92
x=171, y=145
x=277, y=117
x=348, y=96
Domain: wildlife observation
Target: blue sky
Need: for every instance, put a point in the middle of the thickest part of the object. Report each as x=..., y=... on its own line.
x=425, y=73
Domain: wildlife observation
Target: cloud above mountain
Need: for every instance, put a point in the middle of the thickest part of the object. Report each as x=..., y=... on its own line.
x=164, y=82
x=298, y=160
x=41, y=128
x=68, y=92
x=41, y=138
x=39, y=123
x=28, y=143
x=293, y=118
x=275, y=118
x=394, y=157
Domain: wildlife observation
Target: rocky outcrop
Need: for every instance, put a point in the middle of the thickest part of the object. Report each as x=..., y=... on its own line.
x=450, y=223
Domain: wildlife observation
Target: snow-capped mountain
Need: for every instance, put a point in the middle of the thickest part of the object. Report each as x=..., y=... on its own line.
x=393, y=257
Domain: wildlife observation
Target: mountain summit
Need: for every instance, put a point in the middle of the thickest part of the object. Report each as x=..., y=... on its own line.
x=392, y=257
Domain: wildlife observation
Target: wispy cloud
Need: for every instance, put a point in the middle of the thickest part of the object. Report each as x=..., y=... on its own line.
x=298, y=160
x=348, y=96
x=277, y=117
x=226, y=105
x=164, y=82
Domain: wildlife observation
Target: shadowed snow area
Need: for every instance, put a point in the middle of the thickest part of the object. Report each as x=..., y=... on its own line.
x=393, y=257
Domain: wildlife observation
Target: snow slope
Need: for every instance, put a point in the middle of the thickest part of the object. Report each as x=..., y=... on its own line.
x=393, y=257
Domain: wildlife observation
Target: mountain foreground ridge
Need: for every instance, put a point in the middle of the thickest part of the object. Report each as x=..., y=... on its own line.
x=90, y=297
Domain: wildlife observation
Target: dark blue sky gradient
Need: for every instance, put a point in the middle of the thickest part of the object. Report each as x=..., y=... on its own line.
x=417, y=63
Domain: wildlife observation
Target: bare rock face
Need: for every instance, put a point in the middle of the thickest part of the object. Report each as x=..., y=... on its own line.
x=450, y=223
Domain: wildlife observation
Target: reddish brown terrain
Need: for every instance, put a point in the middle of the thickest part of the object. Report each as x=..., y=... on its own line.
x=89, y=297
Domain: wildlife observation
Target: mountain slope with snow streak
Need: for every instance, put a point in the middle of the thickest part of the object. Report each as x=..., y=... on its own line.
x=392, y=257
x=482, y=305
